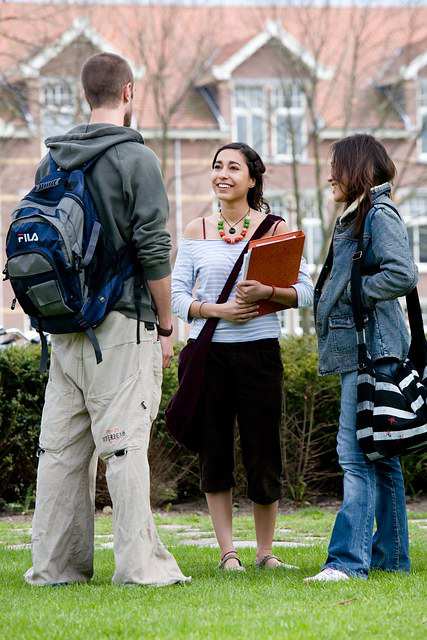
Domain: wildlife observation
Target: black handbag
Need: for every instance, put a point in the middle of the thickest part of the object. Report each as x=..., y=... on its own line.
x=391, y=410
x=182, y=412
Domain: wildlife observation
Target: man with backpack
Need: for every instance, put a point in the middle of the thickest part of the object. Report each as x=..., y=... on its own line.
x=104, y=384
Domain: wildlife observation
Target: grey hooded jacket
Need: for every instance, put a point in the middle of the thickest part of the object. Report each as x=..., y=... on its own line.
x=127, y=188
x=391, y=273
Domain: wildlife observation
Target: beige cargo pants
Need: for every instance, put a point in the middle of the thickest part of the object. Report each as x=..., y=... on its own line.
x=101, y=410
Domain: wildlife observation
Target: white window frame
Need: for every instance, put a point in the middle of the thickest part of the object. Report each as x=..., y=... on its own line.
x=70, y=111
x=63, y=108
x=414, y=222
x=278, y=197
x=288, y=112
x=422, y=115
x=249, y=112
x=310, y=223
x=269, y=115
x=286, y=197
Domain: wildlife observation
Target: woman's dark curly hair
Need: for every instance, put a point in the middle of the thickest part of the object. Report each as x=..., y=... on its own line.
x=256, y=170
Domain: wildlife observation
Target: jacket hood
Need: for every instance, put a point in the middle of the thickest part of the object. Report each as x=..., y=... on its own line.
x=85, y=141
x=376, y=192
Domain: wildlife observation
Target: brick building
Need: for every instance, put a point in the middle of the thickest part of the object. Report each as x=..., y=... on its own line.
x=287, y=80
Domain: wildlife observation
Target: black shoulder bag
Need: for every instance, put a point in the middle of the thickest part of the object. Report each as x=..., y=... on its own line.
x=391, y=411
x=182, y=412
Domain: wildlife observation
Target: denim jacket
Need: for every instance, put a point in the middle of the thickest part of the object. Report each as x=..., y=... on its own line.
x=391, y=272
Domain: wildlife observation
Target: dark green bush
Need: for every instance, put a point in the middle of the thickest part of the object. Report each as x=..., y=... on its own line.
x=310, y=419
x=21, y=401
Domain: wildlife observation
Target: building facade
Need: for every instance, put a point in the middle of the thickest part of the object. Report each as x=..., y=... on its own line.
x=288, y=81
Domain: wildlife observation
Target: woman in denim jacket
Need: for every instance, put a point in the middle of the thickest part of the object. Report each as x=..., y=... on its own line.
x=361, y=173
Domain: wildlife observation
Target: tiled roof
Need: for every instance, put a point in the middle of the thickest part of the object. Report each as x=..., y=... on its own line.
x=361, y=45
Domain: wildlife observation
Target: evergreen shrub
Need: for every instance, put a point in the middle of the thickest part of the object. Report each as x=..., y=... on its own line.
x=310, y=420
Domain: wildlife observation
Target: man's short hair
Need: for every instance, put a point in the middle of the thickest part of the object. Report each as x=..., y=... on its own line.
x=103, y=77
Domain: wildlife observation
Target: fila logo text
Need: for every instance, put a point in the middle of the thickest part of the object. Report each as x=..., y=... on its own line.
x=27, y=237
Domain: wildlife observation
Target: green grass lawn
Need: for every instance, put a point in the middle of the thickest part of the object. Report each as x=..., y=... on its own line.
x=254, y=605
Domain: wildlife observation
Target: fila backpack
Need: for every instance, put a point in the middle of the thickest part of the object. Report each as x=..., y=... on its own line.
x=63, y=276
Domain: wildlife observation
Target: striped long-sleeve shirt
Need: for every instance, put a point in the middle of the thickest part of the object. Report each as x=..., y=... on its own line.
x=201, y=269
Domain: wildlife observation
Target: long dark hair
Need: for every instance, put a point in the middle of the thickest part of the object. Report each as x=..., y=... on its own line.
x=359, y=163
x=256, y=170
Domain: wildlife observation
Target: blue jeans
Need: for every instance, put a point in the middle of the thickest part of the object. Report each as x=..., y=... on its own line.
x=372, y=491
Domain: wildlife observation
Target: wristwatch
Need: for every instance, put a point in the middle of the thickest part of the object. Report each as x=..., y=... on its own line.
x=164, y=332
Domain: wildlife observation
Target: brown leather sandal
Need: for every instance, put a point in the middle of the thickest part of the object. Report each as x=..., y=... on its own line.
x=262, y=564
x=230, y=555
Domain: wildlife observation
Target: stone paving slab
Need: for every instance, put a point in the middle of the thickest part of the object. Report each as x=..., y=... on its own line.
x=18, y=547
x=243, y=544
x=194, y=533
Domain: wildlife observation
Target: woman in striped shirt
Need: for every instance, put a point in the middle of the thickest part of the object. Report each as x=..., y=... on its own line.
x=243, y=376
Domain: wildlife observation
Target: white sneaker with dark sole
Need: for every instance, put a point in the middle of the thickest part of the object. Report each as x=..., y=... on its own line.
x=328, y=575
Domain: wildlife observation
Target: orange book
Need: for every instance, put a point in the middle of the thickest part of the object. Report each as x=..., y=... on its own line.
x=275, y=261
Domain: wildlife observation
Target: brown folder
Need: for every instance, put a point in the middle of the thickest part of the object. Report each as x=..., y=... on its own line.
x=275, y=261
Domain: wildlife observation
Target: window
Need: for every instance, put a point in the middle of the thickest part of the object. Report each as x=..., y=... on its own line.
x=422, y=110
x=313, y=240
x=250, y=116
x=312, y=228
x=284, y=206
x=59, y=105
x=416, y=208
x=271, y=118
x=289, y=136
x=277, y=205
x=58, y=94
x=288, y=108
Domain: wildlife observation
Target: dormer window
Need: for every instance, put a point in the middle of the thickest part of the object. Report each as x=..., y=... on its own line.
x=288, y=107
x=58, y=94
x=58, y=105
x=61, y=105
x=270, y=117
x=251, y=116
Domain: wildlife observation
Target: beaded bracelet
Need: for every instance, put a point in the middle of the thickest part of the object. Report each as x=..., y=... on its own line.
x=273, y=292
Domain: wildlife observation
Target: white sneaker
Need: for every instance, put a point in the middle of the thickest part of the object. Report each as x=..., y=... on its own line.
x=328, y=575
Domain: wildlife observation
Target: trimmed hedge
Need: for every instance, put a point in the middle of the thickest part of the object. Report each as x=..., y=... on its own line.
x=311, y=405
x=21, y=401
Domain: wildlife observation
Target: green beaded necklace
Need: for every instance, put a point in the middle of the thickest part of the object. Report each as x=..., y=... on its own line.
x=233, y=240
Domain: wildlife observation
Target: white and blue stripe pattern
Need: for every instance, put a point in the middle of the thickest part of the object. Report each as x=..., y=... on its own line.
x=201, y=269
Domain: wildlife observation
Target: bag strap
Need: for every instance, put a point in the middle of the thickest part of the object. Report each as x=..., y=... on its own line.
x=261, y=230
x=206, y=334
x=416, y=354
